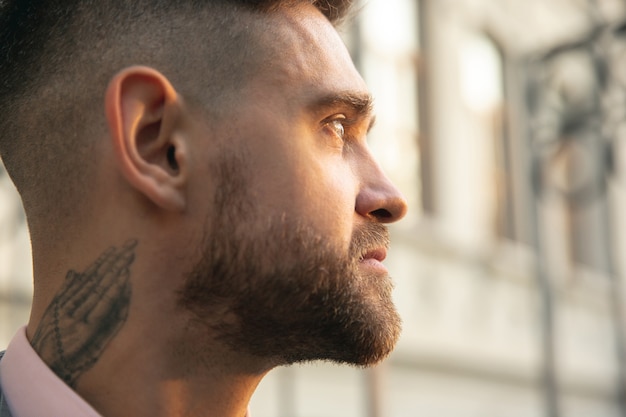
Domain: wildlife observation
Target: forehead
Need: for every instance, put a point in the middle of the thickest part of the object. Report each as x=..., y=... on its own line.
x=306, y=56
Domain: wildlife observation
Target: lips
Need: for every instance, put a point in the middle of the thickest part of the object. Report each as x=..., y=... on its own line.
x=378, y=254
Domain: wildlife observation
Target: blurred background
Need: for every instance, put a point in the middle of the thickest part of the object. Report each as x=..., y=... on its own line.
x=504, y=123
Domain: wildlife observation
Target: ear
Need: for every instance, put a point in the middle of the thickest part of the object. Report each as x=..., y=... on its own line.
x=144, y=115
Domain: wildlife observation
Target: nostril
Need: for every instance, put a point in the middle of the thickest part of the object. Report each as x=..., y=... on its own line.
x=381, y=214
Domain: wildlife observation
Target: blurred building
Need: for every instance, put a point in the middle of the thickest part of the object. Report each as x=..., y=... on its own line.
x=502, y=121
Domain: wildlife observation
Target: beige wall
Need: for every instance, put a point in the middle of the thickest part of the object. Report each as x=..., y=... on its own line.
x=15, y=262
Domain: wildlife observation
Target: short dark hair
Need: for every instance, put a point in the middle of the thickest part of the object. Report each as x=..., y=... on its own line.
x=56, y=58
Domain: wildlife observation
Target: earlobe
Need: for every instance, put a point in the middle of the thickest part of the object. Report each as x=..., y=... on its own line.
x=144, y=117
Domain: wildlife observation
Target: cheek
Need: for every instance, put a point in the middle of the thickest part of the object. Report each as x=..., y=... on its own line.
x=305, y=181
x=337, y=190
x=312, y=191
x=329, y=199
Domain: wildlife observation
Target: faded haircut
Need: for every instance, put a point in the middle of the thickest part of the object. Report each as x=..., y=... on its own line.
x=56, y=58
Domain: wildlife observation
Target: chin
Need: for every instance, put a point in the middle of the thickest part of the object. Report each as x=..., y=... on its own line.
x=347, y=324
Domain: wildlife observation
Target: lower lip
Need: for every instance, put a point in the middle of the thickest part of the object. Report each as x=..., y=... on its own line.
x=375, y=264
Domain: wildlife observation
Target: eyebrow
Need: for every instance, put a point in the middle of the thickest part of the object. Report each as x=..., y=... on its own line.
x=361, y=104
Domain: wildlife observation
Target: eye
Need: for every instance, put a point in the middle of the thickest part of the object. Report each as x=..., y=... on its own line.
x=336, y=130
x=338, y=127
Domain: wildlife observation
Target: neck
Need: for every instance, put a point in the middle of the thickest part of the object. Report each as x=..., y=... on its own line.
x=147, y=382
x=129, y=349
x=146, y=373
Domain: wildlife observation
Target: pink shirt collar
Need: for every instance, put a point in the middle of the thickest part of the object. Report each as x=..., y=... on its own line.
x=32, y=389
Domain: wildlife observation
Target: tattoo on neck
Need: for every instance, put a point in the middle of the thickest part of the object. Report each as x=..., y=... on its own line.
x=86, y=314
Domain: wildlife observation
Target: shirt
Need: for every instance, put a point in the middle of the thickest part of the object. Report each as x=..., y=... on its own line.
x=32, y=389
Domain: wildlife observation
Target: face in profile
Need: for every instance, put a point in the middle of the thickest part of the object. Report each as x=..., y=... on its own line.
x=290, y=266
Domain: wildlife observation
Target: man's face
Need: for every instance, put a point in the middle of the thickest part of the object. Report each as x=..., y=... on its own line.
x=291, y=269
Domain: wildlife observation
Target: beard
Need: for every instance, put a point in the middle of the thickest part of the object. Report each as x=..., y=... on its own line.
x=282, y=291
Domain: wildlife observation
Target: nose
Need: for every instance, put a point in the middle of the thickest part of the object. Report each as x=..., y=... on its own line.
x=379, y=199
